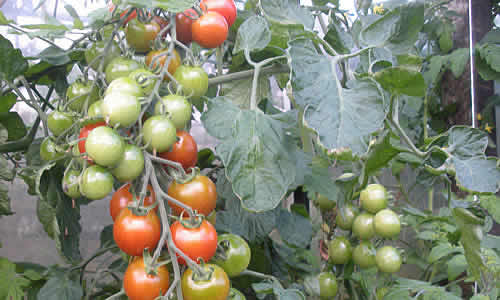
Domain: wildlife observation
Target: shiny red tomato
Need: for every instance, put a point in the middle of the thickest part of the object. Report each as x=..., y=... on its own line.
x=197, y=242
x=84, y=132
x=122, y=197
x=134, y=233
x=139, y=285
x=226, y=8
x=200, y=194
x=210, y=30
x=184, y=151
x=183, y=23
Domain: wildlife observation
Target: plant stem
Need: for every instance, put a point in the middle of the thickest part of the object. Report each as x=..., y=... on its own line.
x=278, y=68
x=120, y=293
x=259, y=275
x=393, y=120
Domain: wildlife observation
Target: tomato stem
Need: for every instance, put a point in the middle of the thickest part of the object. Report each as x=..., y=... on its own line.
x=117, y=295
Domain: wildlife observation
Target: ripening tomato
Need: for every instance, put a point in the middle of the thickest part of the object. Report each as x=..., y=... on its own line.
x=226, y=8
x=212, y=286
x=122, y=197
x=183, y=23
x=193, y=80
x=159, y=133
x=140, y=36
x=197, y=242
x=184, y=151
x=84, y=132
x=160, y=57
x=200, y=194
x=210, y=30
x=139, y=285
x=133, y=233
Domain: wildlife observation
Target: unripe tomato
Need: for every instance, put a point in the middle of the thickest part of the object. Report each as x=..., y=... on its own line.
x=362, y=227
x=98, y=48
x=324, y=203
x=123, y=197
x=364, y=254
x=120, y=108
x=213, y=287
x=339, y=250
x=95, y=110
x=70, y=184
x=387, y=224
x=373, y=198
x=105, y=146
x=345, y=217
x=234, y=294
x=210, y=30
x=139, y=285
x=327, y=285
x=388, y=259
x=200, y=194
x=140, y=36
x=160, y=57
x=131, y=164
x=84, y=132
x=48, y=150
x=58, y=122
x=197, y=242
x=96, y=182
x=120, y=67
x=145, y=79
x=226, y=8
x=237, y=254
x=177, y=108
x=194, y=81
x=78, y=93
x=133, y=233
x=184, y=151
x=124, y=85
x=159, y=133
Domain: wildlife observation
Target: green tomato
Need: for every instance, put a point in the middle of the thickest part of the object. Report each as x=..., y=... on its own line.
x=95, y=110
x=387, y=224
x=105, y=146
x=98, y=48
x=122, y=109
x=362, y=227
x=48, y=150
x=58, y=122
x=140, y=36
x=236, y=252
x=145, y=78
x=131, y=164
x=194, y=80
x=124, y=85
x=70, y=184
x=78, y=93
x=96, y=182
x=120, y=67
x=159, y=133
x=213, y=287
x=324, y=203
x=373, y=198
x=364, y=254
x=177, y=108
x=339, y=250
x=345, y=217
x=381, y=292
x=234, y=294
x=388, y=259
x=327, y=285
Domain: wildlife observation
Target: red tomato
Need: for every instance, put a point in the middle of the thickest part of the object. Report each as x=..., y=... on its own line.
x=139, y=285
x=134, y=233
x=183, y=23
x=122, y=197
x=200, y=194
x=200, y=242
x=130, y=17
x=210, y=30
x=226, y=8
x=84, y=132
x=184, y=151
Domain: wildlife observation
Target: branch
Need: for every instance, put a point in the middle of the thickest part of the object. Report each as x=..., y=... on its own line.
x=278, y=68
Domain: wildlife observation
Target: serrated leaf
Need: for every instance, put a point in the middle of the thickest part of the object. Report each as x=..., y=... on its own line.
x=11, y=283
x=12, y=61
x=320, y=181
x=477, y=174
x=441, y=250
x=7, y=101
x=458, y=60
x=255, y=149
x=287, y=12
x=456, y=266
x=402, y=80
x=239, y=91
x=253, y=34
x=380, y=155
x=60, y=287
x=14, y=125
x=492, y=204
x=343, y=118
x=5, y=209
x=466, y=142
x=288, y=224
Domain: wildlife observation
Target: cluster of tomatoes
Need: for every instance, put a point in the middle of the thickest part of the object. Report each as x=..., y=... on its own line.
x=374, y=220
x=108, y=129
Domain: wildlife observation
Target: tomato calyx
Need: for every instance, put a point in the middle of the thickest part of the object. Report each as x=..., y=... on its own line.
x=150, y=265
x=193, y=221
x=186, y=177
x=137, y=206
x=223, y=247
x=201, y=273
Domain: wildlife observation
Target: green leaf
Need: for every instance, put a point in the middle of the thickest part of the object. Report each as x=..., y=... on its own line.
x=466, y=142
x=320, y=181
x=440, y=251
x=14, y=124
x=410, y=61
x=4, y=20
x=55, y=56
x=427, y=290
x=253, y=34
x=174, y=6
x=456, y=266
x=106, y=237
x=12, y=61
x=7, y=101
x=477, y=174
x=380, y=154
x=7, y=173
x=5, y=209
x=4, y=134
x=458, y=61
x=471, y=241
x=255, y=150
x=486, y=72
x=492, y=204
x=60, y=287
x=491, y=241
x=402, y=80
x=433, y=70
x=446, y=41
x=287, y=12
x=239, y=91
x=339, y=39
x=12, y=285
x=343, y=118
x=289, y=224
x=491, y=54
x=77, y=22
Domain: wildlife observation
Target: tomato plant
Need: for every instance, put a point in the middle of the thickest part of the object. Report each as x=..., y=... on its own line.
x=140, y=36
x=123, y=197
x=199, y=241
x=235, y=256
x=214, y=285
x=184, y=151
x=141, y=285
x=177, y=108
x=210, y=30
x=145, y=78
x=200, y=194
x=99, y=49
